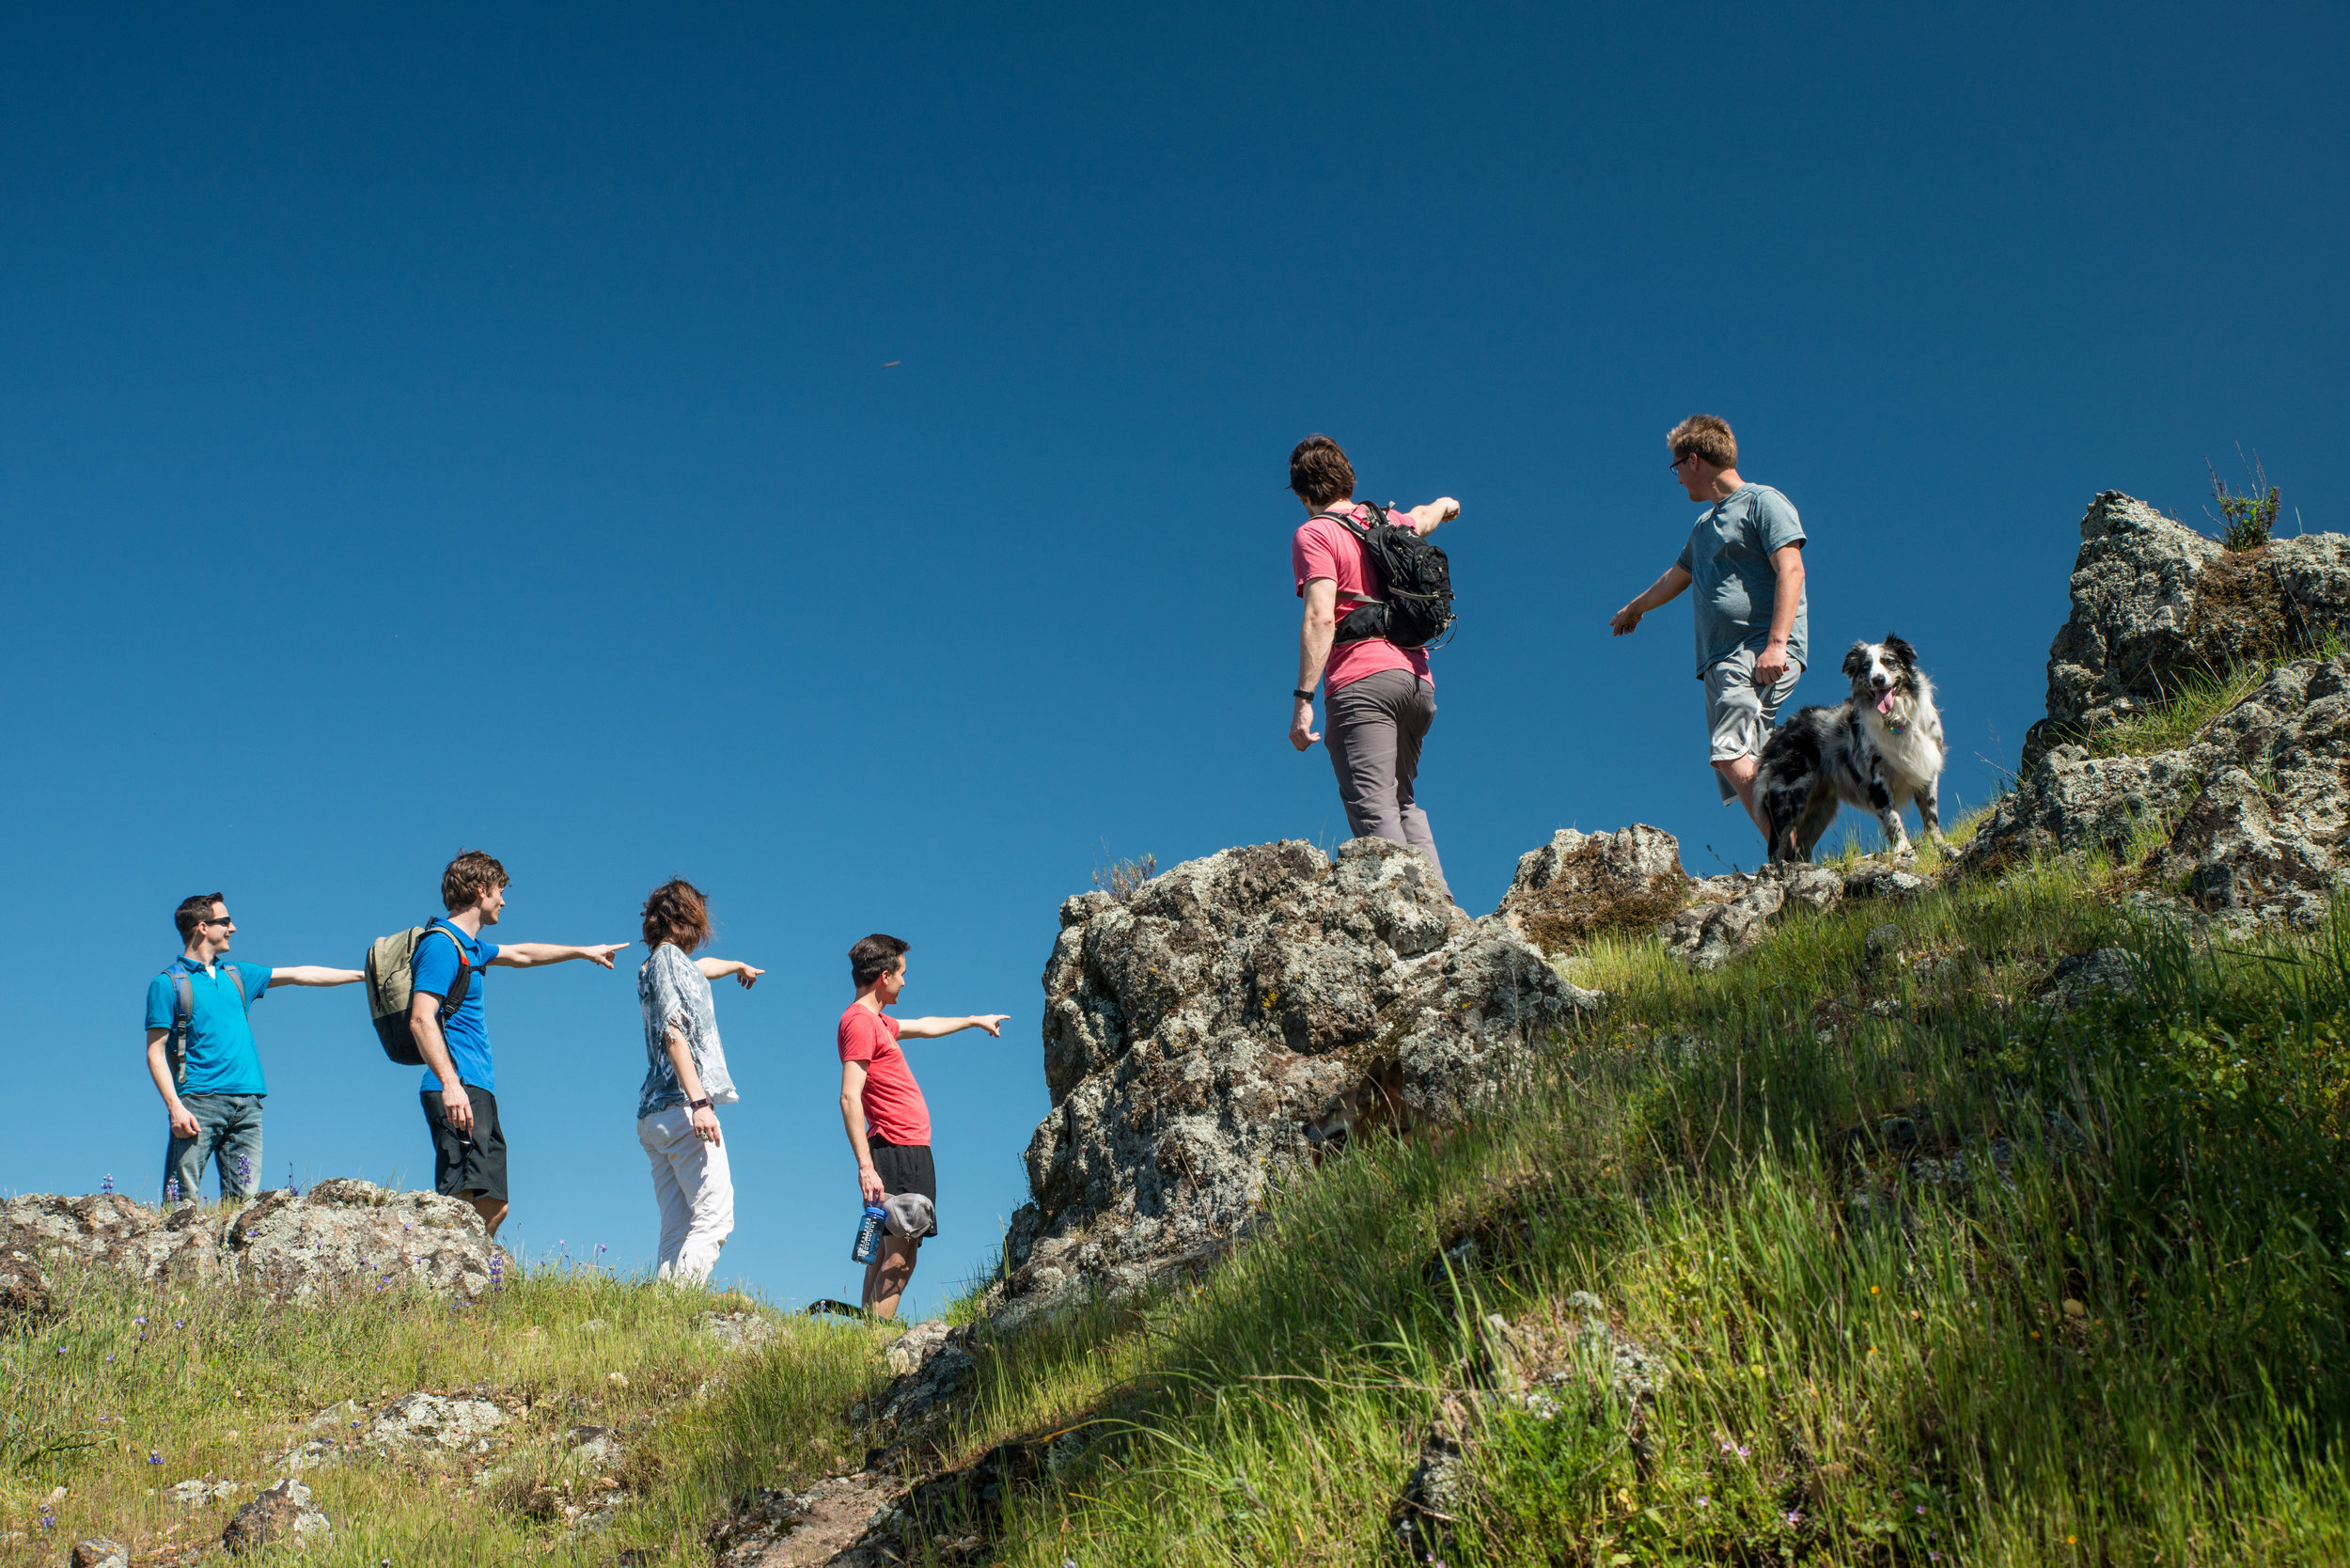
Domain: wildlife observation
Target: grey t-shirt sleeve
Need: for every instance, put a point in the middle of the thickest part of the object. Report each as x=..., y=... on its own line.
x=1775, y=523
x=1687, y=560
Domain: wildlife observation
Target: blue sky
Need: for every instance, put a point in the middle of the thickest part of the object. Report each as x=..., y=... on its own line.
x=445, y=430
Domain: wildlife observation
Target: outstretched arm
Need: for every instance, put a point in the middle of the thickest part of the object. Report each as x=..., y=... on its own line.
x=311, y=974
x=719, y=969
x=1662, y=591
x=529, y=955
x=931, y=1028
x=1444, y=509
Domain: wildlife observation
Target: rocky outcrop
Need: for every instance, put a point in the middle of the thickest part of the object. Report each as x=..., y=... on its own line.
x=2155, y=603
x=2246, y=822
x=1584, y=884
x=340, y=1234
x=1195, y=1034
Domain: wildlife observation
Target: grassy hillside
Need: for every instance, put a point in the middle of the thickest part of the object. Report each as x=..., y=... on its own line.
x=1924, y=1273
x=2118, y=1341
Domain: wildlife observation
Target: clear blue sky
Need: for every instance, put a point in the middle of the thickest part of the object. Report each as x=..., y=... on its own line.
x=432, y=431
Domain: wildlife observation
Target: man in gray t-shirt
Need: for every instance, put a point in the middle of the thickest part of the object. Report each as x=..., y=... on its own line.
x=1745, y=554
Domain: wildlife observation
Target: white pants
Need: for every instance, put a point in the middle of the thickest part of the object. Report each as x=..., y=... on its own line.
x=696, y=1192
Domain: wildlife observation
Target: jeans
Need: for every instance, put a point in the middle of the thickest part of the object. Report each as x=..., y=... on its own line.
x=1373, y=728
x=228, y=1132
x=696, y=1191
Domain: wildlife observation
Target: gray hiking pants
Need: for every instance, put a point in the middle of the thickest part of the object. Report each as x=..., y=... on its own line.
x=1373, y=727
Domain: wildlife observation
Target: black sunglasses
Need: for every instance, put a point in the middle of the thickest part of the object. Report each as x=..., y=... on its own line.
x=1675, y=465
x=223, y=920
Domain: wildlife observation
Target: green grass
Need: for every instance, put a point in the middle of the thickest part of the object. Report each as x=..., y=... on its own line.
x=1901, y=1378
x=2120, y=1343
x=223, y=1379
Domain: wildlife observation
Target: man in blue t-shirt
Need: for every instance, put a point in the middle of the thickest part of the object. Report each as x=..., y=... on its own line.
x=1746, y=557
x=460, y=1091
x=202, y=1056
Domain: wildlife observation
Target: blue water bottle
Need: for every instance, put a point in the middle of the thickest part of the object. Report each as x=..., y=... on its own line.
x=867, y=1234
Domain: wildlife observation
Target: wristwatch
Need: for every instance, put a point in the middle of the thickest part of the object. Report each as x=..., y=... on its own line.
x=1303, y=697
x=697, y=1104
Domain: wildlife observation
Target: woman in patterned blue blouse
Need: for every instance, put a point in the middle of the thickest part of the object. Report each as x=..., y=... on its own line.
x=685, y=1080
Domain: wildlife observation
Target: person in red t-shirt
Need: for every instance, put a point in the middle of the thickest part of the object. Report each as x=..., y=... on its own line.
x=1379, y=699
x=882, y=1107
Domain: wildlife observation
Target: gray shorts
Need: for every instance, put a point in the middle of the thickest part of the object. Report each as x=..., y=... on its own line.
x=1738, y=714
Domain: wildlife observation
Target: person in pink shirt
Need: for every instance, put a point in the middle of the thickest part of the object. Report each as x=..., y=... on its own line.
x=1378, y=699
x=882, y=1107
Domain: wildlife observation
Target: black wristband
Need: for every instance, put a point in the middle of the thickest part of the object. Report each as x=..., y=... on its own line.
x=1303, y=697
x=697, y=1104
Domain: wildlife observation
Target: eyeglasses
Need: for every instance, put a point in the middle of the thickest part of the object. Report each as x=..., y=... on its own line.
x=1675, y=465
x=223, y=920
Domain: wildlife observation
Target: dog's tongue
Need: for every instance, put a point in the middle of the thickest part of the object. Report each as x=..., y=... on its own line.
x=1885, y=702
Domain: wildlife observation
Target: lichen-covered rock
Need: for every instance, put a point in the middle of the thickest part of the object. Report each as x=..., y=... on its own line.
x=2249, y=817
x=362, y=1235
x=1581, y=885
x=1194, y=1033
x=2072, y=801
x=1707, y=936
x=341, y=1233
x=2154, y=603
x=739, y=1331
x=99, y=1552
x=419, y=1421
x=281, y=1515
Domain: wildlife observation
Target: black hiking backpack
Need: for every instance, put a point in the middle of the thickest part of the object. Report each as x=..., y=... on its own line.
x=1416, y=578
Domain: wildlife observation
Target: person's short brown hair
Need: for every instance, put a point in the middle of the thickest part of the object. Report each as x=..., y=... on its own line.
x=873, y=957
x=194, y=911
x=470, y=875
x=677, y=912
x=1318, y=472
x=1708, y=435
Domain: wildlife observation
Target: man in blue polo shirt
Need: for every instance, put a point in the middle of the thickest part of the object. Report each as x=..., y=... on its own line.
x=460, y=1091
x=201, y=1054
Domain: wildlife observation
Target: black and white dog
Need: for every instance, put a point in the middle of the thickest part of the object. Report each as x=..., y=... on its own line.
x=1879, y=750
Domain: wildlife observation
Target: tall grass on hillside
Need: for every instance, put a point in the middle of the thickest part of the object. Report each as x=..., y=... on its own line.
x=1936, y=1275
x=131, y=1388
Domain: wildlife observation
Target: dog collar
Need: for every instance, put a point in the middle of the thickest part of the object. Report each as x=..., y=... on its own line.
x=1893, y=728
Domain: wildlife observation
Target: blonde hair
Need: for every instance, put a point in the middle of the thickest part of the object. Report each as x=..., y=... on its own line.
x=1707, y=435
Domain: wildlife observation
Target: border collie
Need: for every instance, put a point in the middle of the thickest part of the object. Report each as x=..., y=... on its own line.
x=1878, y=749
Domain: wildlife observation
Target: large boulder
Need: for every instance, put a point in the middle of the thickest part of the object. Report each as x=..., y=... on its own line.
x=2247, y=820
x=1584, y=884
x=1195, y=1036
x=341, y=1233
x=2156, y=604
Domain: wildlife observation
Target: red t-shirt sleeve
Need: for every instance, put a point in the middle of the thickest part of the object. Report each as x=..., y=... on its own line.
x=1311, y=555
x=862, y=1034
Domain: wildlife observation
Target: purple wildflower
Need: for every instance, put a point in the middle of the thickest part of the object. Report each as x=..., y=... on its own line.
x=107, y=1185
x=1795, y=1517
x=155, y=1456
x=1704, y=1501
x=244, y=1171
x=110, y=1355
x=138, y=1320
x=289, y=1180
x=171, y=1190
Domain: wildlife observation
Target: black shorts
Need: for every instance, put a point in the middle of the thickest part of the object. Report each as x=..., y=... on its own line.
x=906, y=1168
x=462, y=1163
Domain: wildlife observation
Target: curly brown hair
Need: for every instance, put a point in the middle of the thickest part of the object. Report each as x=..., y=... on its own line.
x=677, y=912
x=470, y=875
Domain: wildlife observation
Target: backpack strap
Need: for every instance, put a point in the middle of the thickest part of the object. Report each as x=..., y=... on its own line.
x=1379, y=518
x=237, y=979
x=457, y=993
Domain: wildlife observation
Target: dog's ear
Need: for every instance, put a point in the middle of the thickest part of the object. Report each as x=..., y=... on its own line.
x=1902, y=650
x=1856, y=662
